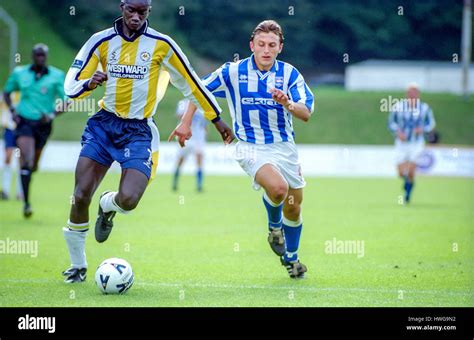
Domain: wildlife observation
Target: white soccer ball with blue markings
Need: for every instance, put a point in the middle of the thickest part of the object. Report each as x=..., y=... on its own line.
x=114, y=276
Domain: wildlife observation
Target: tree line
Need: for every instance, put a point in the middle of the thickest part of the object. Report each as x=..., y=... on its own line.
x=319, y=34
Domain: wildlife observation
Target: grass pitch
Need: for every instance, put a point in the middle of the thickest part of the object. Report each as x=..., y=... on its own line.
x=210, y=249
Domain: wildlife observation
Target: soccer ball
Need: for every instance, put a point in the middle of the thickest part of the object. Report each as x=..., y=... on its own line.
x=114, y=276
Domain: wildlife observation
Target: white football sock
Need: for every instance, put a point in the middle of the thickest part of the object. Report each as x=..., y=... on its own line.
x=269, y=200
x=108, y=204
x=6, y=179
x=75, y=236
x=19, y=189
x=291, y=223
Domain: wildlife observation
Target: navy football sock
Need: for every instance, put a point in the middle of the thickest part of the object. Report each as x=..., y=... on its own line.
x=274, y=212
x=25, y=174
x=199, y=179
x=292, y=236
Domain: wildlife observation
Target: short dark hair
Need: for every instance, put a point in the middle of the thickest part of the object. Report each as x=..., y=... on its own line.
x=125, y=1
x=268, y=26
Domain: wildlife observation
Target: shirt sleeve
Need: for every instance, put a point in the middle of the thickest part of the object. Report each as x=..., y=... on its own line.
x=216, y=81
x=182, y=107
x=393, y=121
x=429, y=121
x=59, y=88
x=12, y=84
x=188, y=83
x=82, y=69
x=299, y=91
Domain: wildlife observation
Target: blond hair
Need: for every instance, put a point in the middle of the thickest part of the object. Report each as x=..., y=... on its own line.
x=268, y=26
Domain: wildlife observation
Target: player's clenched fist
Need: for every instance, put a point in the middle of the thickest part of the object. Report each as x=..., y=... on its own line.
x=97, y=79
x=225, y=131
x=401, y=135
x=280, y=97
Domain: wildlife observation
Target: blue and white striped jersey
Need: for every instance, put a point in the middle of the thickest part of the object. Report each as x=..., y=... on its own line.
x=256, y=117
x=408, y=119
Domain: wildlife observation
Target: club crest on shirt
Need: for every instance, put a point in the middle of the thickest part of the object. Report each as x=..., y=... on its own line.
x=279, y=82
x=145, y=56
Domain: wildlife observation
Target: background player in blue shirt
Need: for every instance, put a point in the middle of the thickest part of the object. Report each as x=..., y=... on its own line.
x=263, y=95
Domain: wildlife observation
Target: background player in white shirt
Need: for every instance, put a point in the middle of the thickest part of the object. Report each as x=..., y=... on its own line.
x=194, y=146
x=408, y=122
x=9, y=126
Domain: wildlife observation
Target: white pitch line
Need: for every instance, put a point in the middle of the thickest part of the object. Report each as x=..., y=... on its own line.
x=295, y=288
x=287, y=288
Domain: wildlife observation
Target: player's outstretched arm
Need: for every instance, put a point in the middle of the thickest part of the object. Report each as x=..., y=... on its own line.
x=183, y=77
x=393, y=126
x=299, y=100
x=225, y=131
x=183, y=130
x=429, y=122
x=83, y=76
x=11, y=108
x=11, y=86
x=97, y=79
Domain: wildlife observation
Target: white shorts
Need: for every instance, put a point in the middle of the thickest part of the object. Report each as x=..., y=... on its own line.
x=282, y=155
x=191, y=148
x=408, y=152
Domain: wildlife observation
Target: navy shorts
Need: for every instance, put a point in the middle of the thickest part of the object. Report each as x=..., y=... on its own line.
x=131, y=142
x=9, y=137
x=35, y=129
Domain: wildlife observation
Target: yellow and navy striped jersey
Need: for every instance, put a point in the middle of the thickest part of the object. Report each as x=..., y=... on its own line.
x=133, y=67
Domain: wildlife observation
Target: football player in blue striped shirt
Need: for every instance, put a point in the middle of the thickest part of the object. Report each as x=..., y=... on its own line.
x=263, y=95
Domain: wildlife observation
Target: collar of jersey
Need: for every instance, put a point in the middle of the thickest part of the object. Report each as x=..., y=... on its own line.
x=118, y=26
x=263, y=74
x=44, y=70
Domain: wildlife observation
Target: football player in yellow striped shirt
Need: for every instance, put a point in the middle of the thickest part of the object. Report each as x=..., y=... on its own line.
x=133, y=58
